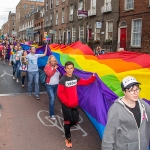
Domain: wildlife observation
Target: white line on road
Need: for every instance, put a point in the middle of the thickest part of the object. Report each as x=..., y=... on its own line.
x=14, y=94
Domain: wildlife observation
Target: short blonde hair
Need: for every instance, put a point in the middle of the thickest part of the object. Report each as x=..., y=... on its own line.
x=49, y=58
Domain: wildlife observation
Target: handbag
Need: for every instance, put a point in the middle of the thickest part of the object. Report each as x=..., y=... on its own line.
x=23, y=73
x=42, y=76
x=12, y=63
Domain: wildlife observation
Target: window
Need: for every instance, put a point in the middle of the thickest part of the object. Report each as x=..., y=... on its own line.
x=80, y=5
x=73, y=34
x=71, y=13
x=97, y=32
x=31, y=6
x=63, y=13
x=136, y=32
x=13, y=18
x=51, y=17
x=109, y=30
x=56, y=17
x=13, y=23
x=63, y=1
x=56, y=36
x=46, y=6
x=25, y=6
x=51, y=4
x=57, y=2
x=81, y=33
x=93, y=3
x=60, y=36
x=129, y=4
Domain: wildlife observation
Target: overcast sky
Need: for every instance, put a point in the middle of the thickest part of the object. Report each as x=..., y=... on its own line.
x=5, y=7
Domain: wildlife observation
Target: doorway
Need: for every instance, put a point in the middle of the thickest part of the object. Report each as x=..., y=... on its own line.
x=123, y=38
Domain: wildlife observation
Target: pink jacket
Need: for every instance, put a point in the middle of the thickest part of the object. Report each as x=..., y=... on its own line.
x=50, y=71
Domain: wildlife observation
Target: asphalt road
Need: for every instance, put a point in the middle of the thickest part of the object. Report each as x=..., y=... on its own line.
x=10, y=86
x=25, y=123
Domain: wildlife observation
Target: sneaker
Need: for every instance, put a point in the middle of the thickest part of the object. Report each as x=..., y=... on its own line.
x=17, y=80
x=29, y=94
x=13, y=77
x=53, y=117
x=37, y=97
x=68, y=143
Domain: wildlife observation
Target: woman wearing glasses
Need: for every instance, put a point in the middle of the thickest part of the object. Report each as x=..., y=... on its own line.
x=128, y=125
x=52, y=81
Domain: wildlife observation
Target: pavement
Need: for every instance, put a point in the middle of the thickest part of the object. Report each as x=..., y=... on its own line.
x=25, y=125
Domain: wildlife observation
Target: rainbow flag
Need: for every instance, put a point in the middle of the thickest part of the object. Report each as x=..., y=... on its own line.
x=111, y=68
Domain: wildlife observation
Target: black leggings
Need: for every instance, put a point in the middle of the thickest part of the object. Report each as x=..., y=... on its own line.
x=71, y=117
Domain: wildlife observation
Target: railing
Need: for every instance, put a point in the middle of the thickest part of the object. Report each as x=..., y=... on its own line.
x=36, y=28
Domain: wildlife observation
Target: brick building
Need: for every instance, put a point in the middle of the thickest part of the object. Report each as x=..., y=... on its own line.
x=101, y=24
x=49, y=21
x=133, y=25
x=39, y=26
x=4, y=29
x=11, y=24
x=23, y=8
x=27, y=24
x=60, y=20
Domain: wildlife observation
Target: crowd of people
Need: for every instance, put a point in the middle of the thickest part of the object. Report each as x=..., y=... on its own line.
x=128, y=125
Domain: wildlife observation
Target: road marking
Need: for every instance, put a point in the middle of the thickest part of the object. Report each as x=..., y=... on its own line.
x=59, y=122
x=5, y=73
x=14, y=94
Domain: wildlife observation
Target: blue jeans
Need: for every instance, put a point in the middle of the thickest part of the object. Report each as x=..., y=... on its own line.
x=16, y=70
x=33, y=76
x=51, y=91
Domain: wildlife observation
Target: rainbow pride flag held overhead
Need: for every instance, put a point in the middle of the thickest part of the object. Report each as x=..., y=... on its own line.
x=111, y=68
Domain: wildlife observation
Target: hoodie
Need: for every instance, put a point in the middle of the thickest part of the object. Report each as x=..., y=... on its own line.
x=122, y=132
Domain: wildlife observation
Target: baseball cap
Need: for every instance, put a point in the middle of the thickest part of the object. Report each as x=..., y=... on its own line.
x=128, y=81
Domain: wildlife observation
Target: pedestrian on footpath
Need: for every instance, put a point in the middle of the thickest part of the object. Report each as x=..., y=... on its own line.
x=52, y=80
x=33, y=71
x=128, y=125
x=67, y=93
x=23, y=67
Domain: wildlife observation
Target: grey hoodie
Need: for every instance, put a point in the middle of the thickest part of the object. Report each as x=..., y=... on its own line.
x=122, y=132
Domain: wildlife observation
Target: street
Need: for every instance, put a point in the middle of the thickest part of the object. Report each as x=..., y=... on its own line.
x=25, y=123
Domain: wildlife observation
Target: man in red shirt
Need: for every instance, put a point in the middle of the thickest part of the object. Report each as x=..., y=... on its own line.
x=67, y=93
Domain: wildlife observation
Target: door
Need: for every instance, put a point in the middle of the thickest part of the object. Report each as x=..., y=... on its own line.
x=90, y=34
x=123, y=37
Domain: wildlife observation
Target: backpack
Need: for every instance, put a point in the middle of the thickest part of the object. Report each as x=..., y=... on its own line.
x=42, y=77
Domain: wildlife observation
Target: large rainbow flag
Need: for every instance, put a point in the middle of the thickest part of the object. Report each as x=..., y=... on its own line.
x=111, y=68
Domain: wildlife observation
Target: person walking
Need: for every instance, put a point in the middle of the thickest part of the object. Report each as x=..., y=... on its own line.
x=15, y=62
x=23, y=67
x=67, y=93
x=128, y=125
x=52, y=81
x=33, y=71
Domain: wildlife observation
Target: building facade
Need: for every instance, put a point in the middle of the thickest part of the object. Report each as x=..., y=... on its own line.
x=65, y=22
x=23, y=8
x=4, y=29
x=39, y=26
x=133, y=28
x=11, y=25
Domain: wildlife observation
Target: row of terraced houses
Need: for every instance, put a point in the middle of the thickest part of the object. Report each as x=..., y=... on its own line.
x=111, y=24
